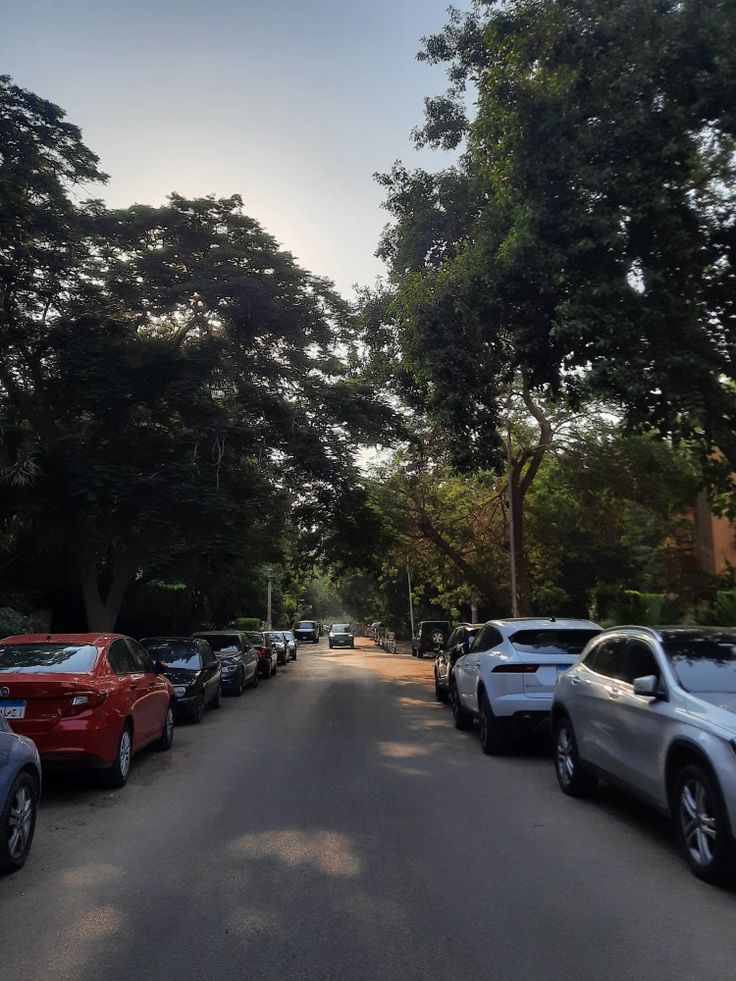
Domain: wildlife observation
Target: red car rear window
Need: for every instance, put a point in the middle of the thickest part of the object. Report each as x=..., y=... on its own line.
x=47, y=658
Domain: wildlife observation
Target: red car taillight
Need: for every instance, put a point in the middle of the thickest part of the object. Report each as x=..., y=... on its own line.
x=85, y=700
x=261, y=651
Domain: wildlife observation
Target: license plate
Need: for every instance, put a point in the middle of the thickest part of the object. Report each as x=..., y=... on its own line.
x=12, y=710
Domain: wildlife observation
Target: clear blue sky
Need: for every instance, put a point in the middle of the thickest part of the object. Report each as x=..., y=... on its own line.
x=291, y=103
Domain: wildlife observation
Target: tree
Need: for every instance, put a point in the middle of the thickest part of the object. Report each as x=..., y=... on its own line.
x=172, y=383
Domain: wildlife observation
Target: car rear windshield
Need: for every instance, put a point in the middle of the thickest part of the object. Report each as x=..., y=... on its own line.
x=47, y=658
x=704, y=664
x=176, y=654
x=568, y=642
x=223, y=643
x=306, y=625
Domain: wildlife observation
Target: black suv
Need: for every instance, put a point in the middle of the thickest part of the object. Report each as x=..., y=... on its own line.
x=307, y=630
x=237, y=656
x=431, y=635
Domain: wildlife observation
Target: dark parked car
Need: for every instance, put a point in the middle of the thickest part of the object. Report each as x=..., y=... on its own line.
x=458, y=643
x=267, y=654
x=341, y=635
x=277, y=639
x=237, y=657
x=430, y=636
x=193, y=670
x=307, y=630
x=20, y=788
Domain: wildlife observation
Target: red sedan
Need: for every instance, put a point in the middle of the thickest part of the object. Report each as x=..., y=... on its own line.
x=85, y=699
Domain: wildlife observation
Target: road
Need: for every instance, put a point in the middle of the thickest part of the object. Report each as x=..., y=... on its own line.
x=334, y=825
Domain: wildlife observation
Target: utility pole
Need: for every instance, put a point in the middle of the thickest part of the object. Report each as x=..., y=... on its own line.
x=268, y=607
x=512, y=522
x=411, y=601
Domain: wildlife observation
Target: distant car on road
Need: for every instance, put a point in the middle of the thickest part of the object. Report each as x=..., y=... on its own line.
x=458, y=643
x=277, y=639
x=430, y=636
x=340, y=635
x=267, y=654
x=237, y=657
x=86, y=700
x=508, y=678
x=307, y=630
x=20, y=789
x=654, y=710
x=193, y=670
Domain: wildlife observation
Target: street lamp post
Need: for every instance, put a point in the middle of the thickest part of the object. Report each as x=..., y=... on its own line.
x=512, y=524
x=411, y=601
x=268, y=604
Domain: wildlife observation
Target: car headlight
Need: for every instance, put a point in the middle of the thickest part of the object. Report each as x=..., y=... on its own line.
x=180, y=690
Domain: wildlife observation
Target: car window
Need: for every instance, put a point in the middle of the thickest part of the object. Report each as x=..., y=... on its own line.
x=120, y=658
x=47, y=658
x=141, y=659
x=181, y=654
x=454, y=638
x=486, y=638
x=704, y=664
x=224, y=643
x=639, y=661
x=551, y=640
x=607, y=658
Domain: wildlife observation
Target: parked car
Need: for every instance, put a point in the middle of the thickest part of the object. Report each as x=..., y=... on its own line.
x=430, y=635
x=20, y=789
x=193, y=670
x=86, y=700
x=458, y=643
x=507, y=679
x=340, y=635
x=291, y=643
x=267, y=654
x=654, y=711
x=307, y=630
x=278, y=641
x=237, y=657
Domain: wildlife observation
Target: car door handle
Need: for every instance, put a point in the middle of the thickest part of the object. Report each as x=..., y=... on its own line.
x=613, y=692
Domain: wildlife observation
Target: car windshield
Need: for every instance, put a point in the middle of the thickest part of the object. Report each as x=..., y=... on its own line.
x=274, y=634
x=223, y=643
x=47, y=658
x=306, y=625
x=546, y=641
x=340, y=628
x=255, y=638
x=177, y=654
x=704, y=664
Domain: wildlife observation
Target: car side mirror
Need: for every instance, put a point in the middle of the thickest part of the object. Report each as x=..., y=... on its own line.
x=159, y=667
x=647, y=686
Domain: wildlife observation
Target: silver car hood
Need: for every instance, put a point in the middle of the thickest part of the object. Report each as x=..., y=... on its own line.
x=717, y=707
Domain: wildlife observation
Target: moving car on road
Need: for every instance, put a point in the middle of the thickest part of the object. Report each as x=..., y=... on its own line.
x=654, y=710
x=507, y=680
x=20, y=789
x=307, y=630
x=238, y=660
x=340, y=635
x=267, y=654
x=431, y=635
x=193, y=670
x=86, y=700
x=458, y=643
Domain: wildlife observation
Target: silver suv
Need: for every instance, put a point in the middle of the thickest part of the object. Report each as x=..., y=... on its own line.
x=654, y=710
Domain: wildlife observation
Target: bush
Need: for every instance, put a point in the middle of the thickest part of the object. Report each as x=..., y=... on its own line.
x=644, y=609
x=724, y=609
x=247, y=623
x=14, y=622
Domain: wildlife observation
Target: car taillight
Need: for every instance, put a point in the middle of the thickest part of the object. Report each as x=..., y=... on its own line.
x=85, y=700
x=517, y=668
x=261, y=651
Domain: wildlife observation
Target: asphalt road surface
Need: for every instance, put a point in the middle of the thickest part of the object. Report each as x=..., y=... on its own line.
x=334, y=825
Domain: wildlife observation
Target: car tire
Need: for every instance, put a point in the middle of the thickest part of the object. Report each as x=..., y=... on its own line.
x=463, y=718
x=117, y=775
x=439, y=692
x=294, y=656
x=217, y=700
x=329, y=645
x=492, y=738
x=572, y=776
x=701, y=823
x=197, y=713
x=18, y=822
x=166, y=739
x=240, y=684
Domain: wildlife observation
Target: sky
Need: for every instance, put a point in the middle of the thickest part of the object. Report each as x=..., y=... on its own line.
x=292, y=104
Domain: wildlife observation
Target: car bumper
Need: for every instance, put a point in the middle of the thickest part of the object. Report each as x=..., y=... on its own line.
x=77, y=742
x=184, y=704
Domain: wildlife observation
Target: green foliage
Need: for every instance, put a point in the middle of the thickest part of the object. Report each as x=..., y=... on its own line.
x=724, y=609
x=644, y=609
x=247, y=623
x=13, y=622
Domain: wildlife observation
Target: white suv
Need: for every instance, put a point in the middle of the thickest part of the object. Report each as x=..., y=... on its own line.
x=508, y=677
x=655, y=712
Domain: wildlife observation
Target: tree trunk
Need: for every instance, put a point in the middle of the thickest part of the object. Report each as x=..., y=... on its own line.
x=516, y=541
x=102, y=614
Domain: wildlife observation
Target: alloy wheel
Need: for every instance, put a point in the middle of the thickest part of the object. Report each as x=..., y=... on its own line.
x=564, y=755
x=124, y=752
x=20, y=824
x=697, y=822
